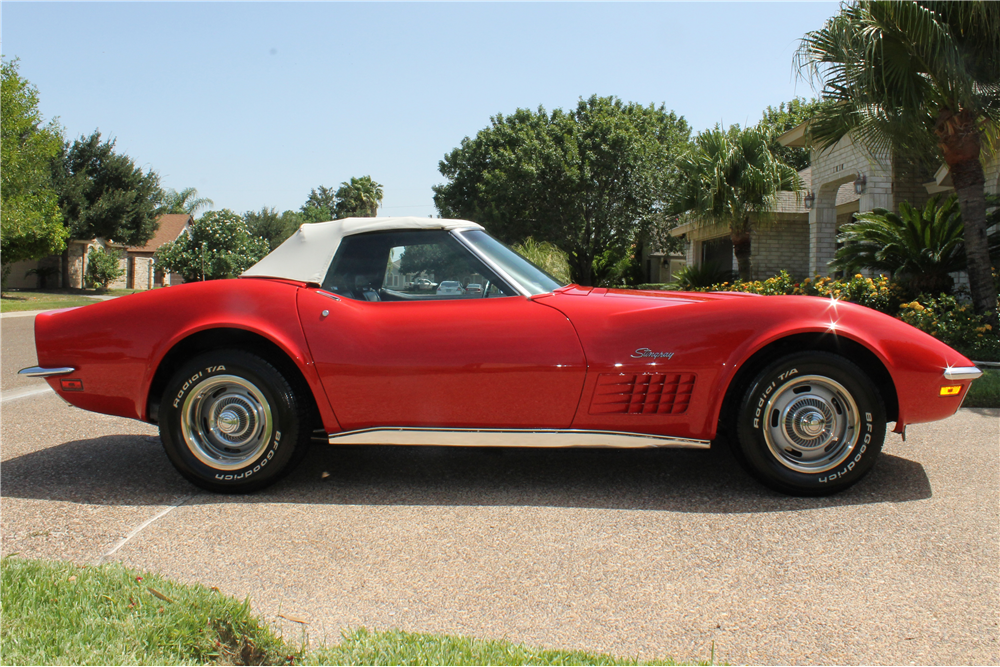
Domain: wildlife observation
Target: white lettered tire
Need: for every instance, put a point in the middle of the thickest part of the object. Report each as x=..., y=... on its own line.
x=230, y=422
x=810, y=424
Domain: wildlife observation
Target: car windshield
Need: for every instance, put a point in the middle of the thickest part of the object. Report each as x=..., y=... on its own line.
x=529, y=276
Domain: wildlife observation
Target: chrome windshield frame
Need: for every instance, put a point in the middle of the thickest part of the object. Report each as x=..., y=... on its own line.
x=471, y=247
x=459, y=235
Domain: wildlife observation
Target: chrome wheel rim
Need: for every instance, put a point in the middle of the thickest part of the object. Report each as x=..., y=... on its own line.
x=226, y=422
x=812, y=424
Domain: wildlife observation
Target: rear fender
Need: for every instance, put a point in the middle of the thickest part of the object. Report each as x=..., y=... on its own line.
x=218, y=332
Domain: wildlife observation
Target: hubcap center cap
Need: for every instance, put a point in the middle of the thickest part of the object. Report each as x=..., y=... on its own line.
x=812, y=423
x=228, y=421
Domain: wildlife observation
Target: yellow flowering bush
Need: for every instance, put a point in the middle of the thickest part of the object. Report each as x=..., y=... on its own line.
x=954, y=323
x=945, y=317
x=878, y=293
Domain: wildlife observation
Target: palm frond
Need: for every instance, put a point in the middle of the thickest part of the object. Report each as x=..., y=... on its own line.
x=892, y=66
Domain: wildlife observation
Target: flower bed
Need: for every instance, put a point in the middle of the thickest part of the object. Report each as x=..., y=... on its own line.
x=945, y=317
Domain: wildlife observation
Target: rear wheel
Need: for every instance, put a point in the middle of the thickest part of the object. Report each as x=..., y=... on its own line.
x=231, y=422
x=810, y=424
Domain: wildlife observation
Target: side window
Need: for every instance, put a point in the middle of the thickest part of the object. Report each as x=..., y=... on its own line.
x=410, y=266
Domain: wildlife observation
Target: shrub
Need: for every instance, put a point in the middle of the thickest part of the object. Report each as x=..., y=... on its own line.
x=945, y=317
x=547, y=257
x=955, y=324
x=217, y=246
x=702, y=276
x=43, y=273
x=878, y=293
x=104, y=267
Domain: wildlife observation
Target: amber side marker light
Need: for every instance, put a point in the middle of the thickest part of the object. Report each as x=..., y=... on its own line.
x=71, y=385
x=951, y=391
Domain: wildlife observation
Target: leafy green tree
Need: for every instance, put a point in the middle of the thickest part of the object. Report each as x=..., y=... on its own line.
x=443, y=261
x=30, y=220
x=321, y=205
x=617, y=268
x=185, y=201
x=917, y=247
x=918, y=79
x=217, y=246
x=731, y=178
x=358, y=198
x=104, y=194
x=784, y=117
x=586, y=180
x=272, y=226
x=104, y=267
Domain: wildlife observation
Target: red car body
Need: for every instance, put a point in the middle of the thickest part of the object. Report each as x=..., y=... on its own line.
x=540, y=359
x=239, y=373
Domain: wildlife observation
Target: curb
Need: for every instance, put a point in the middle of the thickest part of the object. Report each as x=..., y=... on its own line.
x=32, y=313
x=23, y=313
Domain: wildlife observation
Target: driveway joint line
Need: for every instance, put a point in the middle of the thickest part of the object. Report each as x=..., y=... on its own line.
x=125, y=540
x=26, y=392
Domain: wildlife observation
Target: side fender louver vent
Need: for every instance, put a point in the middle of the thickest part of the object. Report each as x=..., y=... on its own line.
x=642, y=394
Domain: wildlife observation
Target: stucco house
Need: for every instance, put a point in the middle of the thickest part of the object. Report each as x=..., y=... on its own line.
x=843, y=180
x=69, y=269
x=141, y=272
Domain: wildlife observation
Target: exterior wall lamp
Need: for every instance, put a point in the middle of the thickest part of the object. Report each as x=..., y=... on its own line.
x=810, y=199
x=859, y=183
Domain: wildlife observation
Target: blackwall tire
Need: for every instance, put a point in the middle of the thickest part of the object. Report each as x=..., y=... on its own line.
x=230, y=422
x=810, y=424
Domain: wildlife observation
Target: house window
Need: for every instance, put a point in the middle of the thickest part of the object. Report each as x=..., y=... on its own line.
x=719, y=252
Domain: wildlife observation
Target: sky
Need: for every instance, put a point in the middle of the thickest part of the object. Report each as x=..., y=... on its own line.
x=255, y=104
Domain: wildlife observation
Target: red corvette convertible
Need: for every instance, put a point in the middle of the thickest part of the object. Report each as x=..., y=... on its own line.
x=331, y=334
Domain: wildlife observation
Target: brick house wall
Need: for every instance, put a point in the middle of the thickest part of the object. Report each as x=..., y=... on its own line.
x=784, y=247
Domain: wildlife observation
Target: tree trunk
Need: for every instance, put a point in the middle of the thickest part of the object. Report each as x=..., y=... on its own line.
x=582, y=269
x=959, y=142
x=741, y=248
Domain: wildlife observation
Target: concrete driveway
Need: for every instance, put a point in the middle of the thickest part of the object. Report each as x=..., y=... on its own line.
x=648, y=553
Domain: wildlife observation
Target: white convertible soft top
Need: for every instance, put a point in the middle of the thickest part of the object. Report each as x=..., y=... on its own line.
x=307, y=254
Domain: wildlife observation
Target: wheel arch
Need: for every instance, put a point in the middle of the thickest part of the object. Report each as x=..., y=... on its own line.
x=842, y=346
x=228, y=338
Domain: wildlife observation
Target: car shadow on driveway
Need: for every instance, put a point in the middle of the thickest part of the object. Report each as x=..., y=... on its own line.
x=133, y=470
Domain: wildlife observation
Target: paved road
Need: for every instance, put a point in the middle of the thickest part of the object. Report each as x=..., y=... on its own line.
x=17, y=350
x=646, y=553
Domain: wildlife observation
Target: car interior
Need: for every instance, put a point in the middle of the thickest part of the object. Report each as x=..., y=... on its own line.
x=410, y=266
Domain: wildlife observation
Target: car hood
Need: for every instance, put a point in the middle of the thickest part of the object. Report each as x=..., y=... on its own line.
x=652, y=298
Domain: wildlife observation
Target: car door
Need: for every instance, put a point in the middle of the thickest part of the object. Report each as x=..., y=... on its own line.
x=389, y=355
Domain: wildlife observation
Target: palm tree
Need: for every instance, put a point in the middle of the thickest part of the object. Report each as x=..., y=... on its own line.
x=912, y=77
x=732, y=178
x=359, y=197
x=185, y=201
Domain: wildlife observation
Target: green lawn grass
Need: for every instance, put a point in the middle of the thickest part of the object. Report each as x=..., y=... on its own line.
x=18, y=301
x=984, y=392
x=58, y=613
x=395, y=647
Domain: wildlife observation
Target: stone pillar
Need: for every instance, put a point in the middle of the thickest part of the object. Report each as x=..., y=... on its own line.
x=823, y=230
x=692, y=252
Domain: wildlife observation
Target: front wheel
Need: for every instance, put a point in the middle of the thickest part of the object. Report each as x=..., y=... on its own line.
x=810, y=424
x=231, y=422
